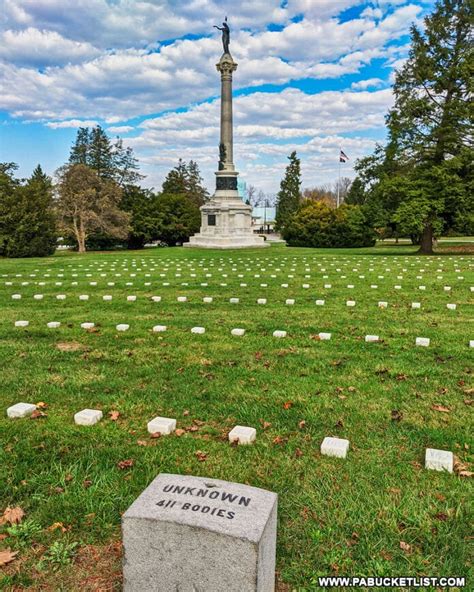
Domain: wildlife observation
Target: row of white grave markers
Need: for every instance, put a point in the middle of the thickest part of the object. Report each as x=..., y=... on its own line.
x=236, y=332
x=232, y=300
x=438, y=460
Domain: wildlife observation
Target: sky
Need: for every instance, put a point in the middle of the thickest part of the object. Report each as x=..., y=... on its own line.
x=313, y=76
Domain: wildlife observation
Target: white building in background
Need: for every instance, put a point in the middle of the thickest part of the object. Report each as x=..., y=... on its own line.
x=263, y=219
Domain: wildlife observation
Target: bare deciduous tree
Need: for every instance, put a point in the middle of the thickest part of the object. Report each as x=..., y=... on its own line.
x=86, y=204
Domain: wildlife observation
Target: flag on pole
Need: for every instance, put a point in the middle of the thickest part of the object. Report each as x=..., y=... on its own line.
x=343, y=157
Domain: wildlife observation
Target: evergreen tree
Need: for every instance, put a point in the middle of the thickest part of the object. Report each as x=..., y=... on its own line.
x=125, y=165
x=100, y=154
x=27, y=218
x=80, y=150
x=185, y=179
x=356, y=195
x=426, y=170
x=94, y=149
x=175, y=182
x=196, y=192
x=289, y=196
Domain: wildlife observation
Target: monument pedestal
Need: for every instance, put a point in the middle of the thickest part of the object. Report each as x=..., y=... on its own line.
x=226, y=224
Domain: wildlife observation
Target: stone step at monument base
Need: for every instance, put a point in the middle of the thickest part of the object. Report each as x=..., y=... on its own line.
x=234, y=241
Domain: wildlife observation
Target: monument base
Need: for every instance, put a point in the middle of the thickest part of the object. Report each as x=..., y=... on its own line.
x=226, y=223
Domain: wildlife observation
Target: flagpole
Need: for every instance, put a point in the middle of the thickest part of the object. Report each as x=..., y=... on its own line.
x=339, y=180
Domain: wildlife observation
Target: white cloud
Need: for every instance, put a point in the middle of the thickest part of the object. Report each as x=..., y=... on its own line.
x=120, y=129
x=73, y=123
x=32, y=47
x=369, y=83
x=120, y=84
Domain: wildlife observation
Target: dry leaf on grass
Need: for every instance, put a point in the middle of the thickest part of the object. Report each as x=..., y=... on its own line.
x=114, y=415
x=7, y=556
x=441, y=408
x=13, y=515
x=405, y=547
x=125, y=464
x=179, y=432
x=200, y=455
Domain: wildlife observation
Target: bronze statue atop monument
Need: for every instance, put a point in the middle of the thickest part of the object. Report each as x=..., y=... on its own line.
x=225, y=35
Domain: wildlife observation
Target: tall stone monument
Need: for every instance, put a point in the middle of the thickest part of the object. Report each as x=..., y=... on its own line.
x=226, y=221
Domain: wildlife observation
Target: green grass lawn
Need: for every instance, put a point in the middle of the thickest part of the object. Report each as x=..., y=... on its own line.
x=378, y=512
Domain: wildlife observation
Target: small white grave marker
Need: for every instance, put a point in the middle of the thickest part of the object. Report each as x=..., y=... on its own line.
x=350, y=303
x=22, y=323
x=320, y=302
x=88, y=417
x=422, y=341
x=159, y=328
x=290, y=301
x=451, y=306
x=279, y=334
x=87, y=325
x=122, y=327
x=324, y=336
x=53, y=325
x=20, y=410
x=439, y=460
x=161, y=425
x=371, y=338
x=238, y=332
x=242, y=435
x=198, y=330
x=416, y=305
x=335, y=447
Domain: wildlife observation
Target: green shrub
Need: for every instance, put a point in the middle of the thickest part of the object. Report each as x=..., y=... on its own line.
x=315, y=224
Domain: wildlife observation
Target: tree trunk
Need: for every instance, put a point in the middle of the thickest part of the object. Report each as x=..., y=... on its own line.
x=81, y=238
x=426, y=243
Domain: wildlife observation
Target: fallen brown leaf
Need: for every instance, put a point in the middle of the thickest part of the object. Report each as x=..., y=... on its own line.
x=13, y=515
x=200, y=455
x=37, y=414
x=441, y=408
x=405, y=547
x=114, y=415
x=179, y=432
x=42, y=405
x=125, y=464
x=155, y=435
x=142, y=442
x=7, y=556
x=287, y=405
x=56, y=526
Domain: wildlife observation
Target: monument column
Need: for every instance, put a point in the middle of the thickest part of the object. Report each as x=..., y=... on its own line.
x=226, y=66
x=226, y=176
x=226, y=220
